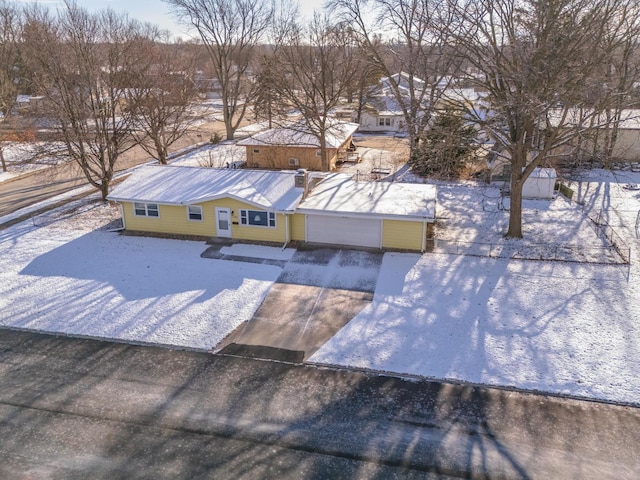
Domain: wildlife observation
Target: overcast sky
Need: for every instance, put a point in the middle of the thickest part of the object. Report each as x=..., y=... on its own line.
x=157, y=12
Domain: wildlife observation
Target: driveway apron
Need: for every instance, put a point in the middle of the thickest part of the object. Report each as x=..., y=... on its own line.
x=318, y=292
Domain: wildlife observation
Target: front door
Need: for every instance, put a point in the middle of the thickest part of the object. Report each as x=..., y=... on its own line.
x=223, y=222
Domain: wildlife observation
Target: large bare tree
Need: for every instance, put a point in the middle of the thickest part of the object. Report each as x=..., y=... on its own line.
x=162, y=97
x=10, y=57
x=313, y=67
x=83, y=63
x=538, y=62
x=230, y=30
x=408, y=37
x=10, y=69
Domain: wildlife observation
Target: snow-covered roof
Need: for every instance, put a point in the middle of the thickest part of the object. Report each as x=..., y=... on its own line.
x=298, y=135
x=339, y=194
x=385, y=105
x=540, y=172
x=629, y=118
x=172, y=185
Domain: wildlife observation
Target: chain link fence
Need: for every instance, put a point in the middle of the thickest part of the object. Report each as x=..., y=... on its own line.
x=529, y=251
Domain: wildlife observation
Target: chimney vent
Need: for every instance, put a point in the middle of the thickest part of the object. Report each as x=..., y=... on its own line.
x=301, y=181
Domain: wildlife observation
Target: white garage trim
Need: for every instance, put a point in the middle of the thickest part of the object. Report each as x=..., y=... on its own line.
x=339, y=230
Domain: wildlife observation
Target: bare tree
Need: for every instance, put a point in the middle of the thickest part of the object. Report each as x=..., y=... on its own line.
x=162, y=98
x=537, y=61
x=230, y=31
x=314, y=66
x=83, y=63
x=10, y=55
x=10, y=69
x=406, y=36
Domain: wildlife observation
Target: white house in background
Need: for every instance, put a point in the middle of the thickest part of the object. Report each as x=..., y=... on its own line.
x=382, y=112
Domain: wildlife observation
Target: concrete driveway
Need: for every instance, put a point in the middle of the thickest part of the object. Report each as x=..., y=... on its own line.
x=319, y=291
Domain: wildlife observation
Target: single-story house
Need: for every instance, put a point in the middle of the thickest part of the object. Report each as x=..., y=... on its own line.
x=295, y=146
x=278, y=207
x=597, y=133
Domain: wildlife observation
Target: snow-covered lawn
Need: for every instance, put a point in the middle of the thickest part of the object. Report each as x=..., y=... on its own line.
x=568, y=328
x=70, y=277
x=559, y=327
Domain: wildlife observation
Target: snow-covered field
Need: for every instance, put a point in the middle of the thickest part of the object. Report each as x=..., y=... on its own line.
x=21, y=158
x=560, y=327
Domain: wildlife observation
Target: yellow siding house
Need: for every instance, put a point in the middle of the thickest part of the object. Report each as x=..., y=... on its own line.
x=278, y=207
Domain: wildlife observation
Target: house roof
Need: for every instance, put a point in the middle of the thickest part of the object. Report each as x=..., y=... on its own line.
x=298, y=135
x=540, y=172
x=173, y=185
x=339, y=194
x=629, y=119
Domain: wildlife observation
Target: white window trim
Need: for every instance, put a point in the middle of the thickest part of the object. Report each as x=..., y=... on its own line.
x=270, y=215
x=146, y=210
x=195, y=219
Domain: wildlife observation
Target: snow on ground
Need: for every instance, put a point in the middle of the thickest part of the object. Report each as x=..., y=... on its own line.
x=560, y=327
x=69, y=276
x=26, y=157
x=570, y=328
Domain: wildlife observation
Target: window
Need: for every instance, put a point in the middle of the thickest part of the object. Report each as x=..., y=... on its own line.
x=256, y=151
x=194, y=212
x=384, y=122
x=146, y=209
x=257, y=218
x=318, y=153
x=294, y=162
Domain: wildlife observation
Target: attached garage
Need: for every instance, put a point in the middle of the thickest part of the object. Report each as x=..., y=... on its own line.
x=341, y=211
x=362, y=232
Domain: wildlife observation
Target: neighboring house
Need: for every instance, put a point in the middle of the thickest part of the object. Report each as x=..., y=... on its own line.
x=294, y=146
x=29, y=103
x=269, y=206
x=382, y=112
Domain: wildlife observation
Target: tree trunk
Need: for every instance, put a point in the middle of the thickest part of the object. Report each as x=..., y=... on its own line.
x=2, y=160
x=515, y=201
x=104, y=189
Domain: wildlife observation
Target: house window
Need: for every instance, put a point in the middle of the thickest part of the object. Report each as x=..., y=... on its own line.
x=384, y=122
x=194, y=212
x=146, y=209
x=257, y=218
x=294, y=162
x=256, y=151
x=318, y=153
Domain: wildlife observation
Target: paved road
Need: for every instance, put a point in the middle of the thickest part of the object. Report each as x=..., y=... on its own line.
x=76, y=408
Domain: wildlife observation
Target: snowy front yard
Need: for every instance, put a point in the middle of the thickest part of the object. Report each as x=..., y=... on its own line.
x=96, y=283
x=559, y=327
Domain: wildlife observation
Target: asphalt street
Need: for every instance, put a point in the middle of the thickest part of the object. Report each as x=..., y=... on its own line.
x=81, y=408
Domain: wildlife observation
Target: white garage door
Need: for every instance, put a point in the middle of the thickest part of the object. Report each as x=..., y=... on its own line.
x=344, y=231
